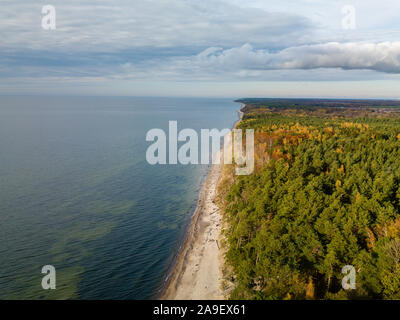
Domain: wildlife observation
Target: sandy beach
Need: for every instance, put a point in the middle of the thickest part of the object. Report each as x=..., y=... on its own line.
x=198, y=270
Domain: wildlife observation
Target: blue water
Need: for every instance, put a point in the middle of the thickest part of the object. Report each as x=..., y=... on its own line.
x=77, y=193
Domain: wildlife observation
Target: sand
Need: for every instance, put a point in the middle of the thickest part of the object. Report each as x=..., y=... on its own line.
x=197, y=274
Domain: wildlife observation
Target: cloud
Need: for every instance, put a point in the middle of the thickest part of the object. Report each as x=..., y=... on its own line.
x=319, y=62
x=246, y=60
x=199, y=40
x=98, y=39
x=85, y=26
x=381, y=57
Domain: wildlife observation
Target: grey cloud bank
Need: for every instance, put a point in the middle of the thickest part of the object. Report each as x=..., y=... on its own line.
x=111, y=26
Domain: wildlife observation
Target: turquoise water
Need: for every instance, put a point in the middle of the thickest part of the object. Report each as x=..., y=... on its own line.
x=77, y=193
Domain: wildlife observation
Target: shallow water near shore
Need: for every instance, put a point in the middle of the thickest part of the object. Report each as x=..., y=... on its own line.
x=76, y=192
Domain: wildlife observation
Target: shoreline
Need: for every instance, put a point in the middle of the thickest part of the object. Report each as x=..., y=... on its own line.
x=197, y=270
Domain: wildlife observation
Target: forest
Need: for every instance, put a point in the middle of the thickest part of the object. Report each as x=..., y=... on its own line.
x=324, y=194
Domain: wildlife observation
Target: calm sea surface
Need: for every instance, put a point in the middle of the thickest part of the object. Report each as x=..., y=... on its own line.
x=77, y=193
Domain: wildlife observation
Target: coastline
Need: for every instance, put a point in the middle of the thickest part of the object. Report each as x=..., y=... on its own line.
x=197, y=273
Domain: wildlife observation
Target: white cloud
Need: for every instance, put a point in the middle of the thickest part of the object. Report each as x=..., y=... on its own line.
x=382, y=57
x=249, y=62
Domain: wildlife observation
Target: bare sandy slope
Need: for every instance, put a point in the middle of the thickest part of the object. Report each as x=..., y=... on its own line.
x=197, y=274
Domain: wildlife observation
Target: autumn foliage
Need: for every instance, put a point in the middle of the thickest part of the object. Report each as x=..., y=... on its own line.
x=325, y=194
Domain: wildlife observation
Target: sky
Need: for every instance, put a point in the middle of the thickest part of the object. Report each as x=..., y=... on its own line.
x=221, y=48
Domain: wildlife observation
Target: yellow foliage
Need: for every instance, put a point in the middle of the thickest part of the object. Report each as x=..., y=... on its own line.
x=388, y=229
x=351, y=125
x=329, y=130
x=310, y=291
x=299, y=140
x=338, y=183
x=370, y=239
x=394, y=228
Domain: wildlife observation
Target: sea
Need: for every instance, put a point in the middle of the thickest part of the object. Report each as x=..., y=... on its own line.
x=77, y=193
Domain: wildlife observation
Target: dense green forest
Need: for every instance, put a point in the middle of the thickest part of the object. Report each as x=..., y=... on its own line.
x=325, y=194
